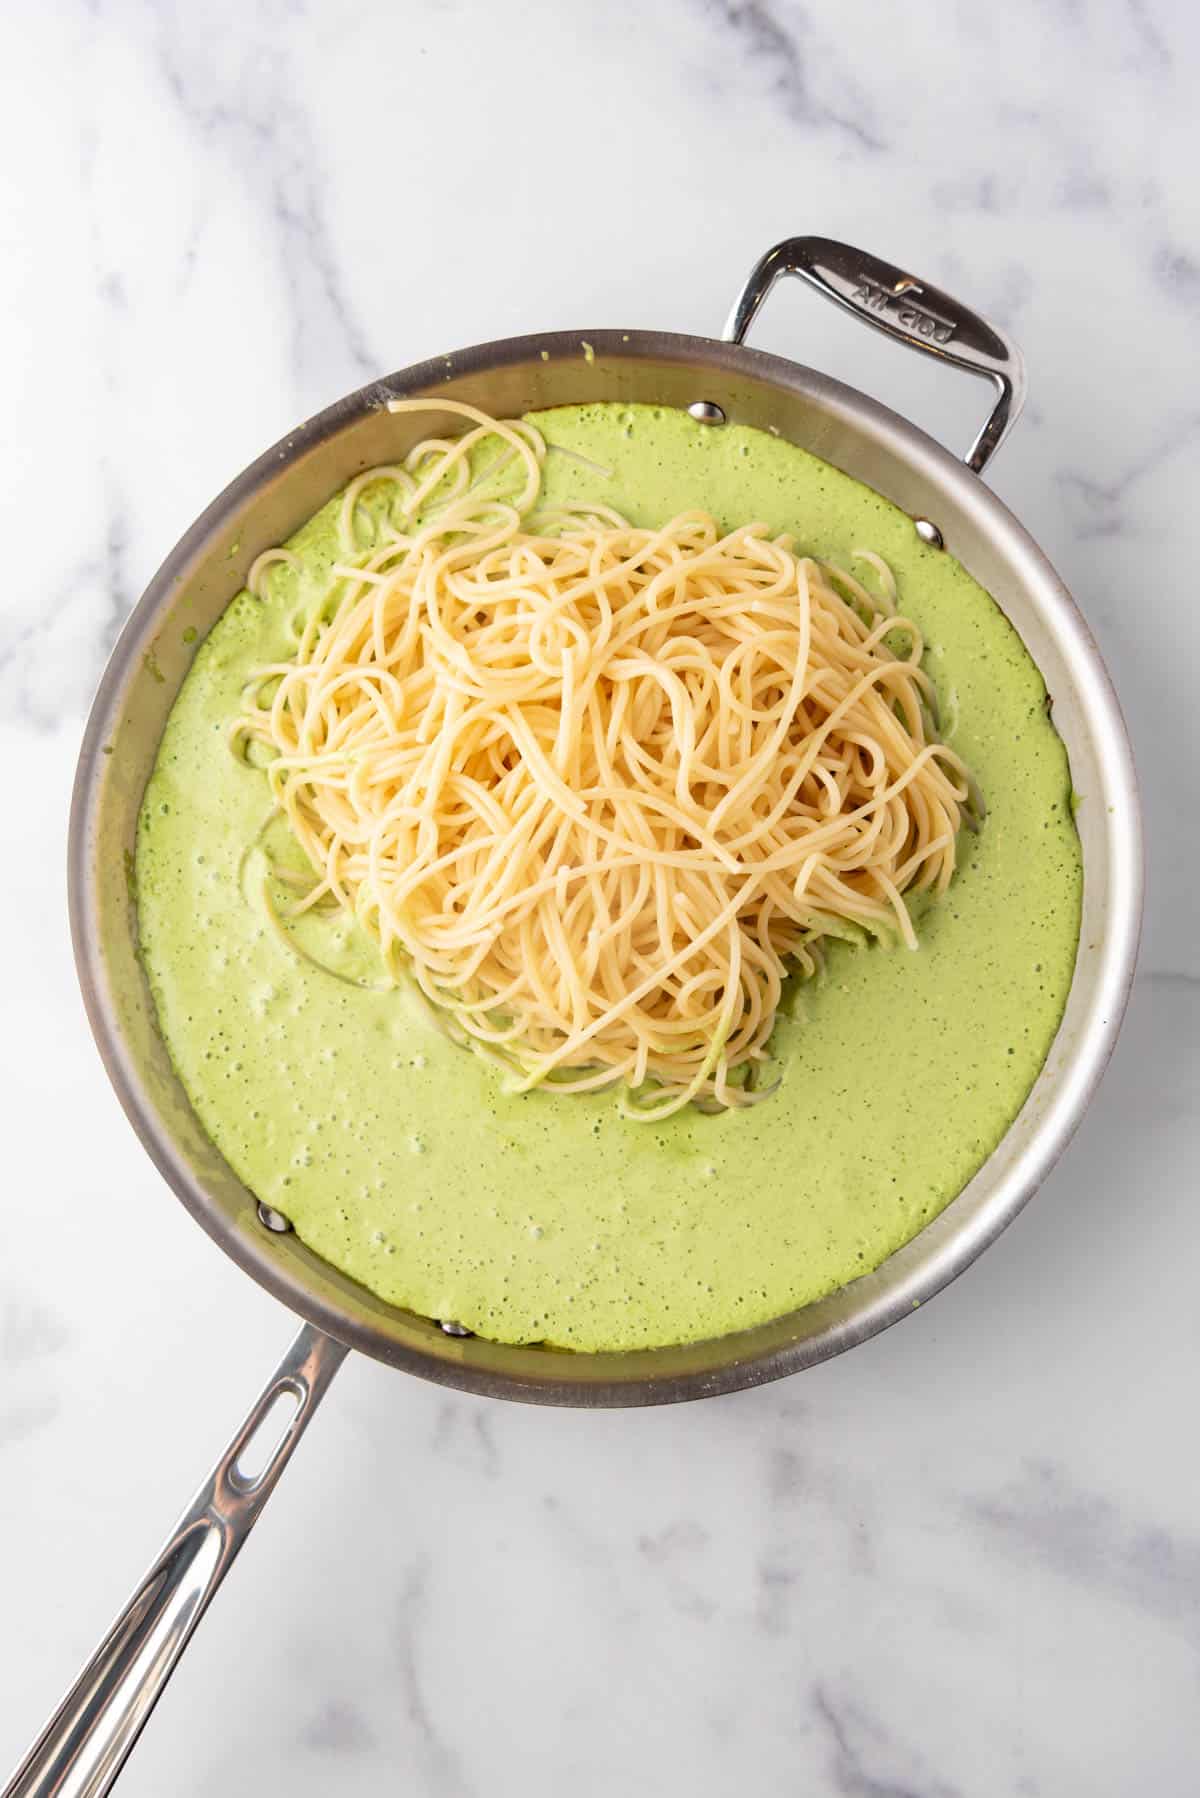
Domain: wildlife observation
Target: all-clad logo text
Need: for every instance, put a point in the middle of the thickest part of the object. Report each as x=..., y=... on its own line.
x=881, y=299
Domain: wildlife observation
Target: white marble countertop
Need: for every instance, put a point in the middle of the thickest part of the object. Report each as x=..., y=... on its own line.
x=964, y=1559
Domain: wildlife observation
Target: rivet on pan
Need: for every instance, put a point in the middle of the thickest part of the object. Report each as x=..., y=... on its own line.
x=929, y=533
x=270, y=1219
x=453, y=1329
x=706, y=412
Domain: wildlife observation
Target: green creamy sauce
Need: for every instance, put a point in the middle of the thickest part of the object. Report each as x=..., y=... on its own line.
x=398, y=1156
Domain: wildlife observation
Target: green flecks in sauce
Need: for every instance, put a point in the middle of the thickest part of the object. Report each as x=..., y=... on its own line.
x=397, y=1155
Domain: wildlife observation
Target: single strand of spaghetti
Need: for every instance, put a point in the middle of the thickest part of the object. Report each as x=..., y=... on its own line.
x=354, y=491
x=269, y=558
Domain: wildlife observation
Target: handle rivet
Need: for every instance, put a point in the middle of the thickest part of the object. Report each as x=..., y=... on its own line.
x=452, y=1329
x=706, y=412
x=929, y=533
x=270, y=1219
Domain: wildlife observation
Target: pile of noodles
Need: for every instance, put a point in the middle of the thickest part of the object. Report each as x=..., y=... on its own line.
x=599, y=790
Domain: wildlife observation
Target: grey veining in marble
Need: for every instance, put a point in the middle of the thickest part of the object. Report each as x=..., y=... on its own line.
x=963, y=1562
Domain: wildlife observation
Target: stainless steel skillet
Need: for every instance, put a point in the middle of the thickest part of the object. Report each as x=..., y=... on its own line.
x=85, y=1743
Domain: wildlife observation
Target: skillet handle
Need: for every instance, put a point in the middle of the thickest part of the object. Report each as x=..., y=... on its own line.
x=904, y=308
x=83, y=1747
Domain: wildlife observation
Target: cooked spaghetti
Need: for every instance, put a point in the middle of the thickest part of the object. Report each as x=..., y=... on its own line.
x=600, y=790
